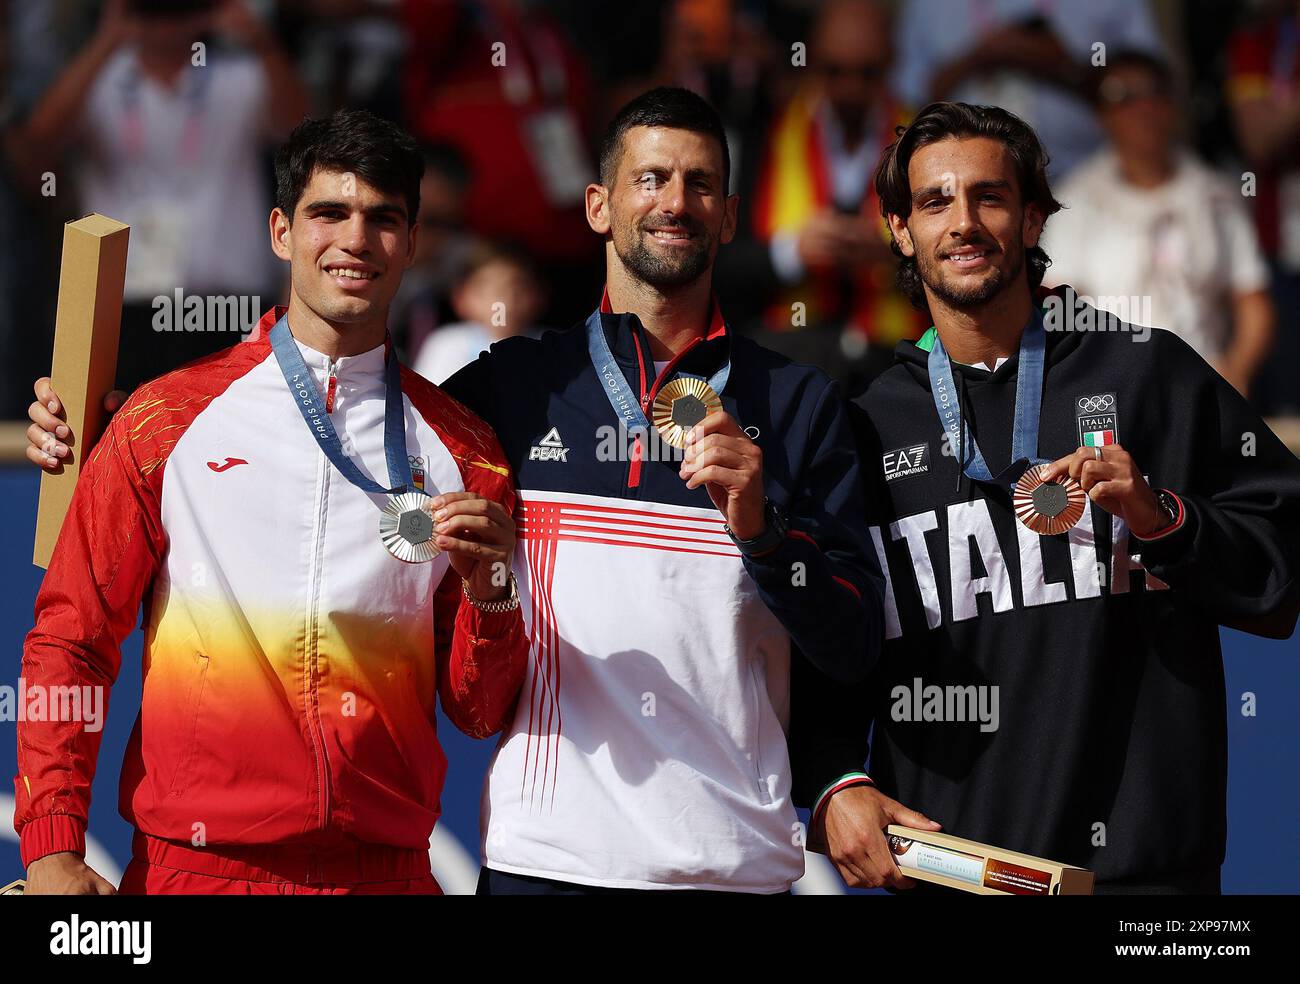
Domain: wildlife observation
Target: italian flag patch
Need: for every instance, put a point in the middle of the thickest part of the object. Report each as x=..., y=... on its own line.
x=1096, y=439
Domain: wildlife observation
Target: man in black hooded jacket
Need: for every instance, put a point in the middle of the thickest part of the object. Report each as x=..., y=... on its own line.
x=1055, y=693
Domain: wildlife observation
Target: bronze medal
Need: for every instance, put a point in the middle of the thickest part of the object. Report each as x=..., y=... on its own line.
x=1048, y=508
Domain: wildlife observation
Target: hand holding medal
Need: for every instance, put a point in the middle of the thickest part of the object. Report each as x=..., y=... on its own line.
x=477, y=534
x=682, y=404
x=1046, y=500
x=478, y=537
x=722, y=458
x=1045, y=505
x=1113, y=480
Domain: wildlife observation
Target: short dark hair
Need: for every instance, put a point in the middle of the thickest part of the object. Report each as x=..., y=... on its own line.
x=376, y=150
x=680, y=109
x=939, y=121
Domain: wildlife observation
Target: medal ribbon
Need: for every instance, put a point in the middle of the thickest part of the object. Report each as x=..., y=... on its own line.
x=1029, y=398
x=306, y=396
x=612, y=380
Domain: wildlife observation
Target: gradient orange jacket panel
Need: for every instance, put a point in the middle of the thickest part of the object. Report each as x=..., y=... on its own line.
x=291, y=664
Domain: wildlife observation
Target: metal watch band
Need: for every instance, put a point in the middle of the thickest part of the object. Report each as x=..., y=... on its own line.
x=508, y=604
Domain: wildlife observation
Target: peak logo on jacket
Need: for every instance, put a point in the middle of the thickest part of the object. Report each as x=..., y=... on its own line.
x=549, y=448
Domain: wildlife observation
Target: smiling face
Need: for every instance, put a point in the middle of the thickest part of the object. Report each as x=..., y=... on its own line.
x=969, y=227
x=666, y=209
x=347, y=247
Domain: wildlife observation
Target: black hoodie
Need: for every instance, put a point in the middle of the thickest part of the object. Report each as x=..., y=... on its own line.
x=1110, y=745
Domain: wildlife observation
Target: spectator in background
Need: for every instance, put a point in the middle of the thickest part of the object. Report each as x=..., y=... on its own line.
x=29, y=57
x=34, y=46
x=719, y=49
x=349, y=52
x=1264, y=94
x=497, y=80
x=813, y=209
x=498, y=295
x=726, y=52
x=422, y=301
x=1145, y=218
x=1031, y=57
x=174, y=149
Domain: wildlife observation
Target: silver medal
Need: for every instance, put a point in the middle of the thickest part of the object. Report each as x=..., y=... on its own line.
x=406, y=528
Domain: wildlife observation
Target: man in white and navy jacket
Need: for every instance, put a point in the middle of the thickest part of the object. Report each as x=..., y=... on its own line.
x=666, y=597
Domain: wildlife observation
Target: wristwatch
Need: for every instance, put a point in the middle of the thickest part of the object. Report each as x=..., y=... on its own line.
x=507, y=604
x=771, y=536
x=1169, y=506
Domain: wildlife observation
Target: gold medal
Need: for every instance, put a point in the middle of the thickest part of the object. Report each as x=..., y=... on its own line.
x=681, y=405
x=1048, y=508
x=406, y=528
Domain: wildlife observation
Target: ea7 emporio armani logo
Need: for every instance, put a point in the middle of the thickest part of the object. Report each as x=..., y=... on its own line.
x=906, y=462
x=227, y=465
x=549, y=448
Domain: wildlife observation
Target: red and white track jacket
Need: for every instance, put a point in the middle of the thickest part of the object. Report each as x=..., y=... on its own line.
x=290, y=662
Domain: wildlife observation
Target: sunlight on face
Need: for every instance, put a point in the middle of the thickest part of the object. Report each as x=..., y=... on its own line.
x=348, y=246
x=969, y=228
x=668, y=208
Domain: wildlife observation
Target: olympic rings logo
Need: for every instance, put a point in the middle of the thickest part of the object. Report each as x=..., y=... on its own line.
x=1095, y=404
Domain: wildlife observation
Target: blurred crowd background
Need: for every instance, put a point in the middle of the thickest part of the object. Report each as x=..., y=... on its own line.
x=1173, y=126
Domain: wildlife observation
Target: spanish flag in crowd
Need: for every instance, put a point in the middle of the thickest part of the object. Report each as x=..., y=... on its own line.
x=794, y=184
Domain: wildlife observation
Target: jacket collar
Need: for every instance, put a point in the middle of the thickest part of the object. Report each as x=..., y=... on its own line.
x=915, y=355
x=370, y=362
x=630, y=344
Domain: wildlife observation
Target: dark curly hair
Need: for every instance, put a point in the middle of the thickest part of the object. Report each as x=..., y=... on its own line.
x=939, y=121
x=376, y=150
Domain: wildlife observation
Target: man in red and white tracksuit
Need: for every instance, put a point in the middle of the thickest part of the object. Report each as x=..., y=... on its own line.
x=286, y=741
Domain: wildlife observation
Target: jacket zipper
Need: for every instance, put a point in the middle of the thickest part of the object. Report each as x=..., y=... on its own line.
x=331, y=385
x=634, y=466
x=311, y=695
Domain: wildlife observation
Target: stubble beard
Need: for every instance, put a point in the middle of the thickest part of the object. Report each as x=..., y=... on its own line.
x=962, y=297
x=658, y=270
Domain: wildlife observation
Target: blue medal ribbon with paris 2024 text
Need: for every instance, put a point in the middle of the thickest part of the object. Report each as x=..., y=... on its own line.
x=307, y=398
x=612, y=380
x=1029, y=397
